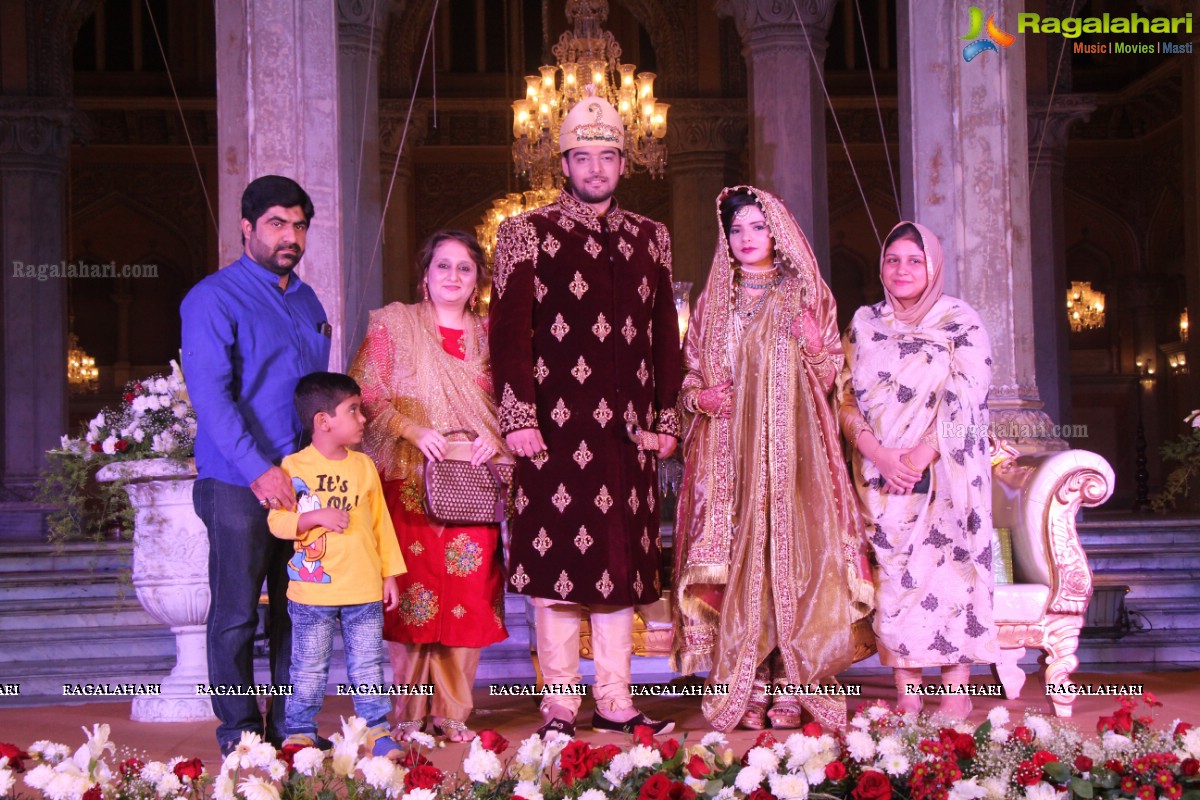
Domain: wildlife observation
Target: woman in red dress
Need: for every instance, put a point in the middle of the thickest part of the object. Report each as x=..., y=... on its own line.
x=424, y=370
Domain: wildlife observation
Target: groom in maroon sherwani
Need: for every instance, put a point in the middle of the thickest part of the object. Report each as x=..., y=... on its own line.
x=585, y=356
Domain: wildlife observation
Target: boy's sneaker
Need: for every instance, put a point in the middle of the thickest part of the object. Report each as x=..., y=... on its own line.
x=381, y=743
x=298, y=741
x=602, y=724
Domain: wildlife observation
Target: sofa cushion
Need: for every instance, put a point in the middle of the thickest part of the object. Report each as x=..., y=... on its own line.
x=1021, y=602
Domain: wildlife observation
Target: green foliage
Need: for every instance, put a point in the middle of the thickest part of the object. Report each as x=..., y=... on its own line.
x=1184, y=451
x=84, y=509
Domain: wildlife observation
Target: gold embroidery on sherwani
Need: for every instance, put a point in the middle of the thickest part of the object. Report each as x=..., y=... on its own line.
x=561, y=498
x=638, y=586
x=540, y=370
x=592, y=247
x=551, y=245
x=560, y=328
x=628, y=331
x=604, y=585
x=566, y=223
x=564, y=585
x=522, y=502
x=519, y=579
x=774, y=473
x=604, y=500
x=583, y=456
x=602, y=329
x=603, y=413
x=633, y=500
x=653, y=251
x=581, y=371
x=583, y=539
x=644, y=289
x=578, y=286
x=539, y=460
x=515, y=415
x=626, y=250
x=641, y=459
x=542, y=543
x=633, y=229
x=519, y=240
x=631, y=414
x=539, y=289
x=650, y=500
x=643, y=374
x=561, y=413
x=646, y=539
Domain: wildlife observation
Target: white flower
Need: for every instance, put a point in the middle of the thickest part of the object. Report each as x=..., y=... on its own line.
x=421, y=794
x=167, y=785
x=277, y=769
x=528, y=789
x=481, y=765
x=726, y=793
x=354, y=731
x=530, y=751
x=255, y=788
x=179, y=410
x=39, y=776
x=422, y=738
x=967, y=790
x=7, y=780
x=749, y=779
x=1115, y=741
x=860, y=745
x=1038, y=726
x=1041, y=791
x=67, y=785
x=801, y=748
x=876, y=712
x=1194, y=419
x=155, y=771
x=861, y=723
x=998, y=716
x=308, y=761
x=159, y=386
x=890, y=746
x=763, y=759
x=593, y=794
x=995, y=788
x=139, y=435
x=1190, y=742
x=814, y=768
x=713, y=739
x=789, y=786
x=377, y=771
x=618, y=768
x=1000, y=735
x=223, y=788
x=110, y=445
x=895, y=764
x=643, y=756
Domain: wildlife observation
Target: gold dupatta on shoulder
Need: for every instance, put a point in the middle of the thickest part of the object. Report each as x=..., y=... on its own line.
x=408, y=379
x=768, y=542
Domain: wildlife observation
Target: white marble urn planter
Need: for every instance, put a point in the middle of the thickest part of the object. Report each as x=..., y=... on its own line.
x=170, y=574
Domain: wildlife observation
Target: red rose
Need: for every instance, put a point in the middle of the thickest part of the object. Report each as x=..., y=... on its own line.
x=872, y=785
x=490, y=740
x=1043, y=757
x=14, y=755
x=1083, y=763
x=600, y=756
x=644, y=735
x=128, y=396
x=1189, y=768
x=1123, y=721
x=681, y=791
x=93, y=793
x=697, y=767
x=766, y=739
x=96, y=448
x=657, y=787
x=1115, y=766
x=1182, y=728
x=760, y=794
x=573, y=761
x=835, y=771
x=413, y=758
x=129, y=768
x=964, y=745
x=668, y=749
x=812, y=729
x=1022, y=734
x=1028, y=774
x=121, y=445
x=425, y=776
x=192, y=768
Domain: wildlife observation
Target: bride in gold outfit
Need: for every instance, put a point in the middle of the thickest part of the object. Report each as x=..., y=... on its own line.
x=770, y=576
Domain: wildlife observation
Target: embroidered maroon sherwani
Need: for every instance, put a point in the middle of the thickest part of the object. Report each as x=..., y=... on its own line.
x=584, y=338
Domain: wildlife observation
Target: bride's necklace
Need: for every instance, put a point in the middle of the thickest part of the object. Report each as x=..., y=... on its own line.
x=758, y=279
x=747, y=305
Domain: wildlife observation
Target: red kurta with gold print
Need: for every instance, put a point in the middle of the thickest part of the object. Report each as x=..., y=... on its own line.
x=585, y=338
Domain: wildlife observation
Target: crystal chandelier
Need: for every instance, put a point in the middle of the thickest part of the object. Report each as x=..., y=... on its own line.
x=509, y=206
x=1085, y=306
x=82, y=375
x=586, y=54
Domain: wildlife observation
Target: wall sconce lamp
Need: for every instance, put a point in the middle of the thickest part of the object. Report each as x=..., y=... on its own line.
x=1145, y=368
x=1183, y=326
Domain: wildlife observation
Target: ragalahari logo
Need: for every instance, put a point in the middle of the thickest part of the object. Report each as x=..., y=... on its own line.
x=993, y=31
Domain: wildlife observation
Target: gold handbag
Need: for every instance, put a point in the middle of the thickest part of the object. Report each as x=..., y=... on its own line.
x=458, y=492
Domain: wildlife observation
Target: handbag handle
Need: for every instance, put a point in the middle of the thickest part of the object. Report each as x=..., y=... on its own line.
x=466, y=431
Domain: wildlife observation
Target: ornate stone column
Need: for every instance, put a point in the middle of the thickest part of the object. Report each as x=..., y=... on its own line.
x=1191, y=212
x=1048, y=129
x=702, y=139
x=35, y=138
x=299, y=111
x=964, y=168
x=785, y=55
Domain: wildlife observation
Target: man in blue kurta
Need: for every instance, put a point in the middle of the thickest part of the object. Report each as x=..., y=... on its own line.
x=250, y=332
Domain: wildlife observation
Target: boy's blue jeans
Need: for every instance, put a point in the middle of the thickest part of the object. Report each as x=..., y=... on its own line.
x=312, y=643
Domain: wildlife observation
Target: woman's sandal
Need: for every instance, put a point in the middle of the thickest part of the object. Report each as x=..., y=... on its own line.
x=754, y=718
x=406, y=728
x=786, y=713
x=453, y=729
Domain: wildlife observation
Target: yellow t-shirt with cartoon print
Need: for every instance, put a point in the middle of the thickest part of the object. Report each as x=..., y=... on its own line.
x=338, y=568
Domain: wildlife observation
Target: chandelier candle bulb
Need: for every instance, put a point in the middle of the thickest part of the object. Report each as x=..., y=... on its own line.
x=646, y=86
x=658, y=123
x=531, y=88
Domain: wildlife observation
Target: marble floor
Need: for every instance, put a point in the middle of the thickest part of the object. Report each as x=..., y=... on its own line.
x=516, y=717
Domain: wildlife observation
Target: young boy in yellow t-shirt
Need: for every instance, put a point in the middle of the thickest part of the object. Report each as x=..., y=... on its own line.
x=347, y=559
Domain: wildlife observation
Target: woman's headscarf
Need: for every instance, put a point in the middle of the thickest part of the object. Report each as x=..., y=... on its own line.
x=933, y=274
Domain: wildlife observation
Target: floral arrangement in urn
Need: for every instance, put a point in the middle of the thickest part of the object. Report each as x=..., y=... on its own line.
x=883, y=755
x=1185, y=451
x=155, y=420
